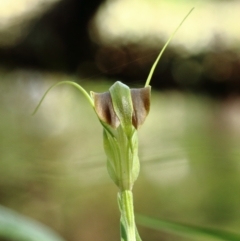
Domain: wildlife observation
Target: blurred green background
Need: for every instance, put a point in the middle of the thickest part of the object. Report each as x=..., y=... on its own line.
x=52, y=165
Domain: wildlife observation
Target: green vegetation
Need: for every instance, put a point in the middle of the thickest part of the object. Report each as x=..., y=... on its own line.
x=16, y=227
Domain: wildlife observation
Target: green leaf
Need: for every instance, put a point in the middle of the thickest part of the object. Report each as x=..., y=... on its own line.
x=186, y=229
x=111, y=150
x=18, y=227
x=122, y=156
x=134, y=159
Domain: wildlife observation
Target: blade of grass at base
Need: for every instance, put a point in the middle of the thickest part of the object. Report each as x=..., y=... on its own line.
x=186, y=230
x=18, y=227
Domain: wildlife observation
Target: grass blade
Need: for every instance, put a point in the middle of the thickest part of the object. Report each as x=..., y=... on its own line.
x=185, y=229
x=18, y=227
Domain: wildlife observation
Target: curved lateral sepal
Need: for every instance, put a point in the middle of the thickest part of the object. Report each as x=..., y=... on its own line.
x=163, y=49
x=79, y=87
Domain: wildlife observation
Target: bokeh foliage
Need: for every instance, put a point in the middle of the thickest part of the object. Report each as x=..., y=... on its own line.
x=53, y=169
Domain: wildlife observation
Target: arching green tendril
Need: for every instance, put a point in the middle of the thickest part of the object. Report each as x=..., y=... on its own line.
x=163, y=49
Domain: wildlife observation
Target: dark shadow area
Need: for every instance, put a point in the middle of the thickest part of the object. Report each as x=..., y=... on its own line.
x=59, y=40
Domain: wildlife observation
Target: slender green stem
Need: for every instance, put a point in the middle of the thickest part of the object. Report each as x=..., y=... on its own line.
x=163, y=49
x=80, y=88
x=127, y=214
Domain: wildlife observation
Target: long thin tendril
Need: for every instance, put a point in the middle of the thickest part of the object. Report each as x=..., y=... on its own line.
x=163, y=49
x=80, y=88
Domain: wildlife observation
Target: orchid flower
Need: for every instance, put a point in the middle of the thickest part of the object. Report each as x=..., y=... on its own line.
x=121, y=111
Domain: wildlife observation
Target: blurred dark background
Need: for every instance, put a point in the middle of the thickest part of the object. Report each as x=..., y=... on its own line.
x=76, y=36
x=56, y=39
x=52, y=165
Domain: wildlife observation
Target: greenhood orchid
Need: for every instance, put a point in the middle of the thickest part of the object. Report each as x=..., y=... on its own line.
x=121, y=111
